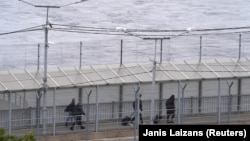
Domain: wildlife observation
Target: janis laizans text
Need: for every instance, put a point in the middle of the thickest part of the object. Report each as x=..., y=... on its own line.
x=181, y=132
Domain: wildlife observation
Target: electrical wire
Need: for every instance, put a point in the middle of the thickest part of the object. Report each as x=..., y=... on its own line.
x=161, y=30
x=86, y=32
x=140, y=33
x=35, y=28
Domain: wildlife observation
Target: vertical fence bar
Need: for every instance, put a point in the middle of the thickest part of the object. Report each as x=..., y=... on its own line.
x=239, y=95
x=152, y=111
x=80, y=54
x=136, y=114
x=30, y=116
x=15, y=98
x=97, y=109
x=239, y=46
x=24, y=99
x=120, y=101
x=229, y=101
x=80, y=95
x=121, y=54
x=113, y=109
x=200, y=48
x=10, y=114
x=182, y=101
x=20, y=101
x=200, y=97
x=54, y=112
x=44, y=111
x=38, y=56
x=161, y=98
x=38, y=103
x=179, y=103
x=3, y=96
x=192, y=105
x=219, y=103
x=25, y=55
x=161, y=51
x=87, y=129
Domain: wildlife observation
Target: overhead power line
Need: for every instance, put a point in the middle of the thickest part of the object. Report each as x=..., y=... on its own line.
x=149, y=33
x=158, y=30
x=35, y=28
x=142, y=33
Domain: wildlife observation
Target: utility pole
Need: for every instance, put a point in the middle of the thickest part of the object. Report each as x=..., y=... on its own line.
x=124, y=30
x=47, y=26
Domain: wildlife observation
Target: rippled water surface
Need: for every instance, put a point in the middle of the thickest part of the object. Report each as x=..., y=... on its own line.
x=20, y=50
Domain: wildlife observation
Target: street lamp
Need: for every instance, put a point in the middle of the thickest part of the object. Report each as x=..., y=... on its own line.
x=47, y=26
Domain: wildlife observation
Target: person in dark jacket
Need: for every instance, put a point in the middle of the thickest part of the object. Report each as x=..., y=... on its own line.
x=140, y=111
x=69, y=110
x=170, y=109
x=77, y=114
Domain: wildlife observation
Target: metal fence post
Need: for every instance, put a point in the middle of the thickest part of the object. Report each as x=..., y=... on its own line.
x=113, y=109
x=192, y=105
x=180, y=101
x=121, y=55
x=120, y=101
x=87, y=128
x=38, y=56
x=10, y=114
x=239, y=46
x=219, y=103
x=80, y=54
x=97, y=109
x=161, y=51
x=136, y=125
x=30, y=115
x=38, y=114
x=54, y=112
x=229, y=101
x=24, y=100
x=200, y=48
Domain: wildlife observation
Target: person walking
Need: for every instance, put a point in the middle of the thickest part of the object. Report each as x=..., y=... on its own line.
x=77, y=114
x=69, y=110
x=170, y=109
x=139, y=110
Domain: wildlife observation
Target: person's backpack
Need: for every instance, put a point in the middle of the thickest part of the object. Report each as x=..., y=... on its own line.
x=125, y=120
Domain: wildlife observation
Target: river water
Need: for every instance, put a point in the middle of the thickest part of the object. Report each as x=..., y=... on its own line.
x=20, y=50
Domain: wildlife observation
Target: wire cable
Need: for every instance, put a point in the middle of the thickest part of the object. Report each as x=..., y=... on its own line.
x=24, y=30
x=165, y=34
x=161, y=30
